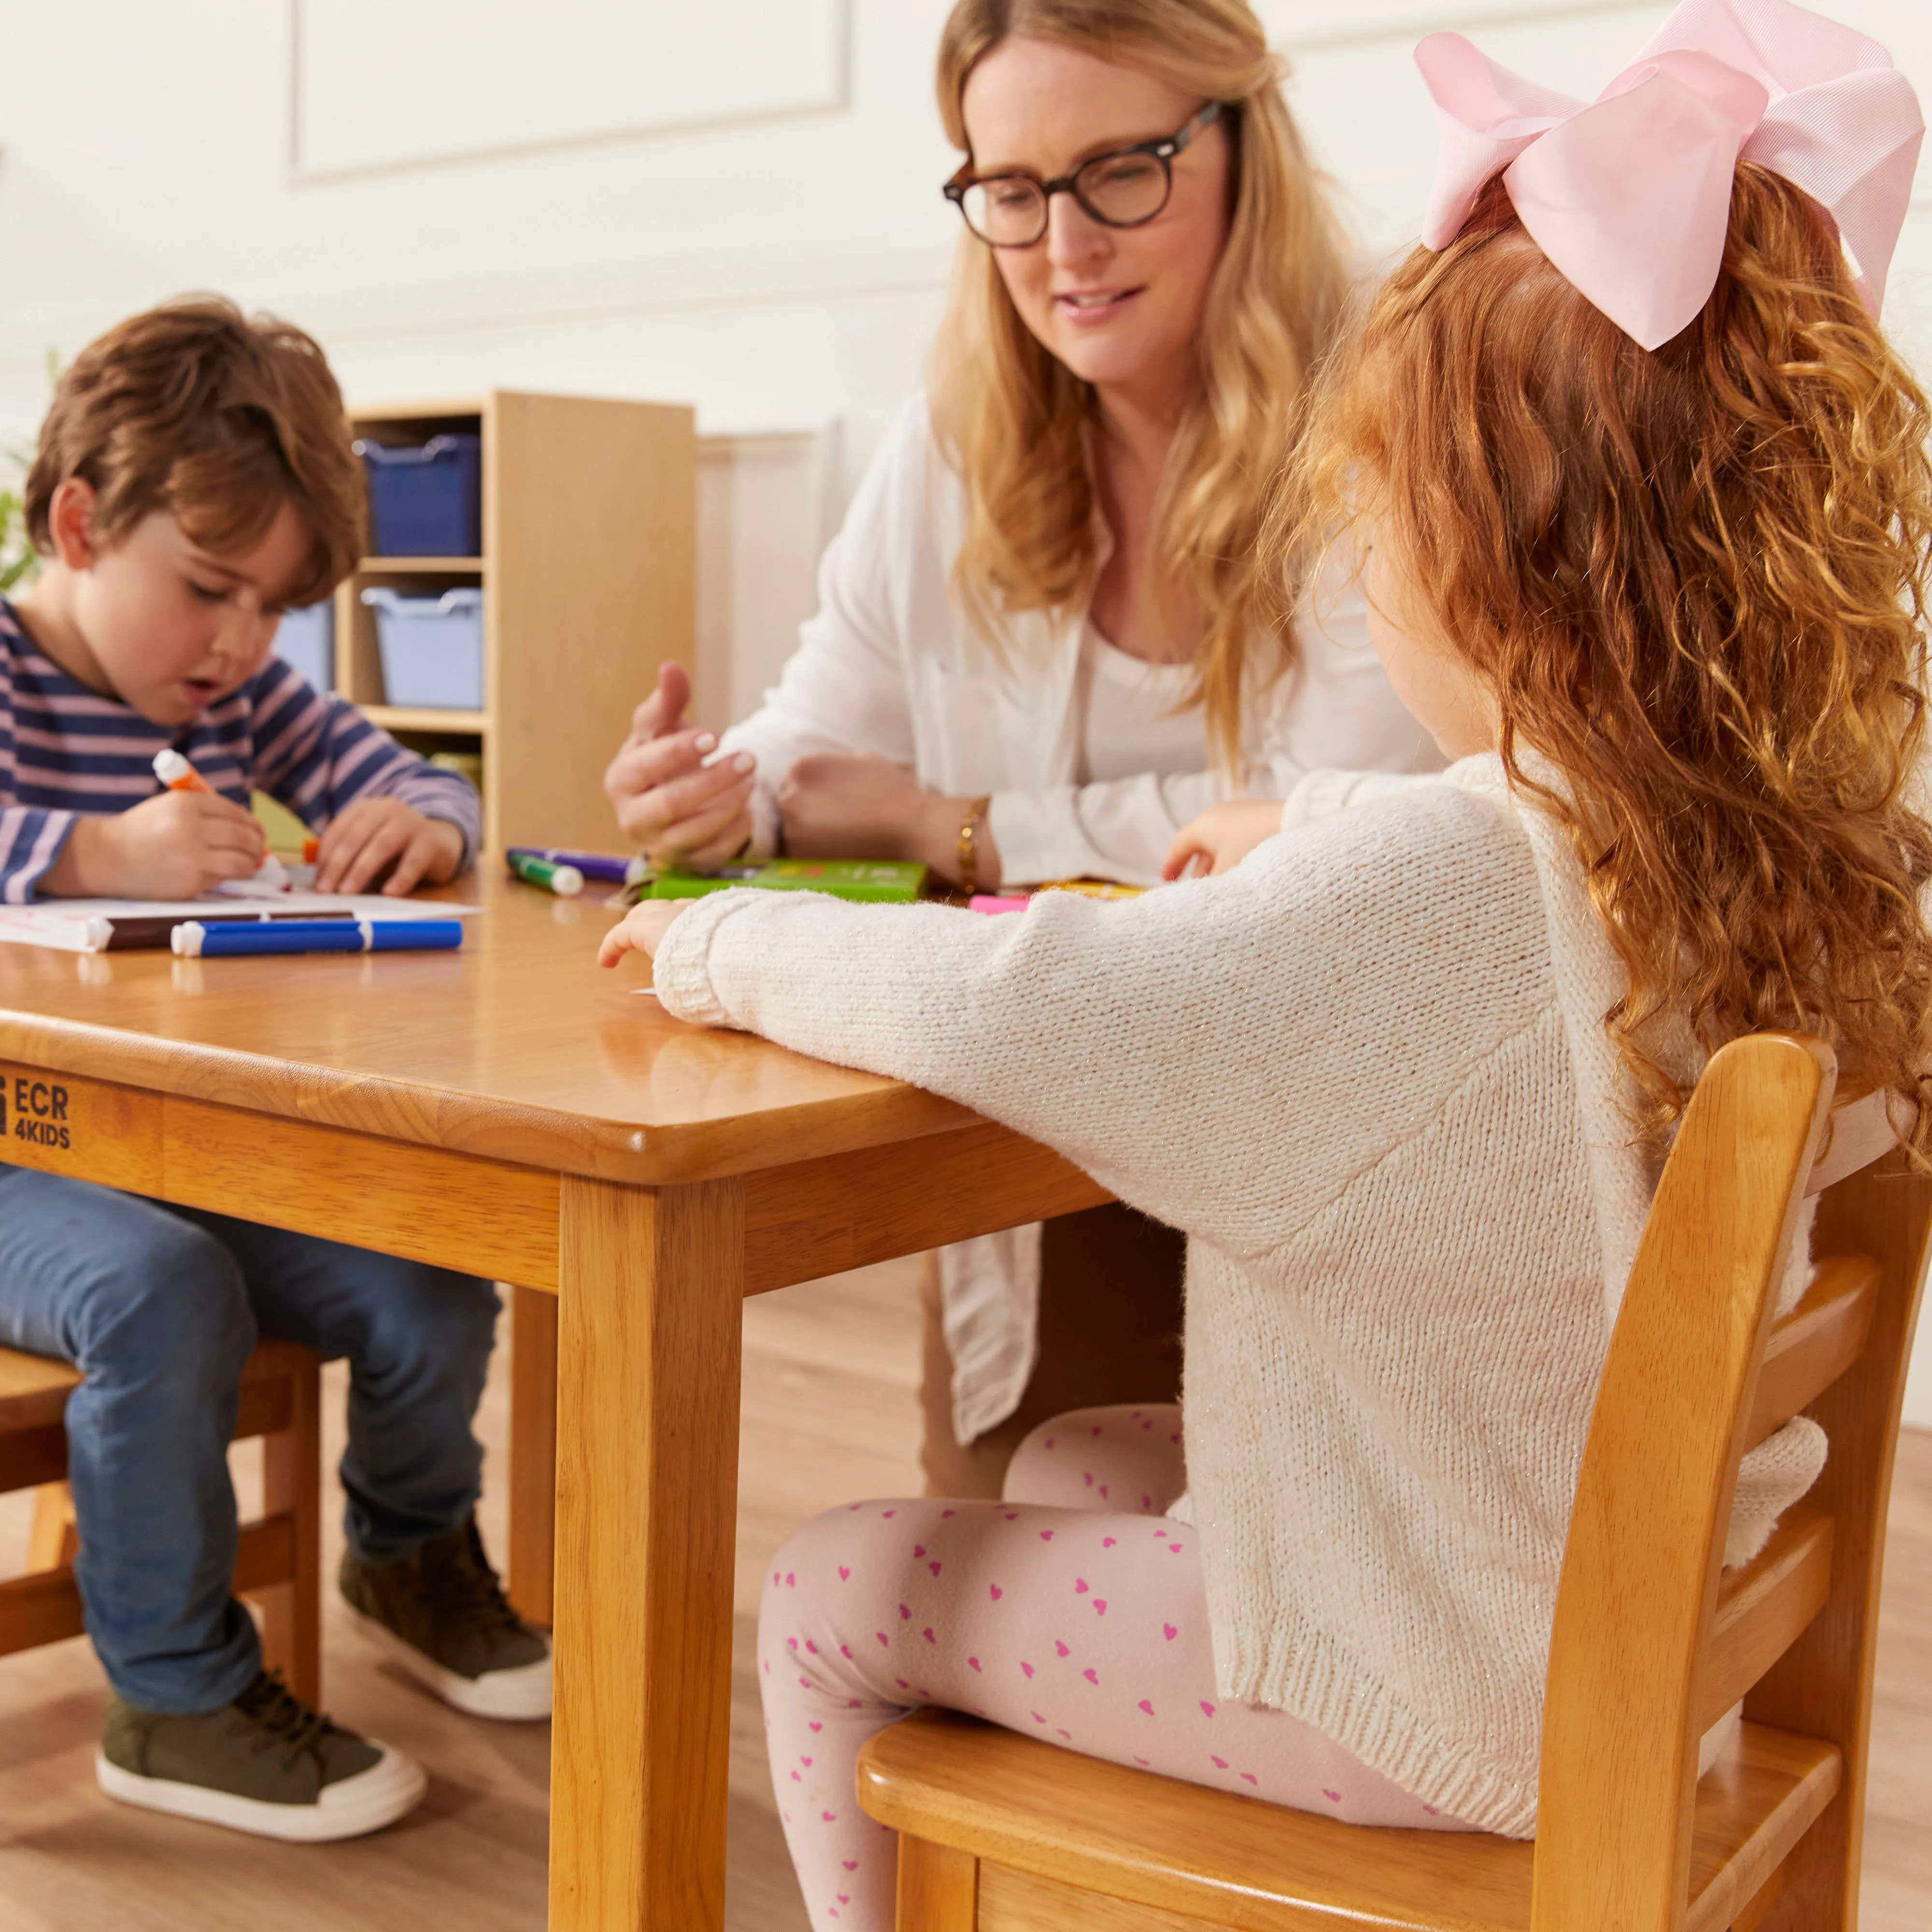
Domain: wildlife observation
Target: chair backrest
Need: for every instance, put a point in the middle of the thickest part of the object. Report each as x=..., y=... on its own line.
x=1653, y=1641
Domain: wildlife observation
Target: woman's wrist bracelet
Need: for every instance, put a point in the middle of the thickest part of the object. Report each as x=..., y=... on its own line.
x=968, y=866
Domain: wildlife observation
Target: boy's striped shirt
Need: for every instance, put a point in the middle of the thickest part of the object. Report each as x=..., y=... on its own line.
x=66, y=750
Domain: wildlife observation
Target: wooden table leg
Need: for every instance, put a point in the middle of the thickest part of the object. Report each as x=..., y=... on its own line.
x=651, y=1286
x=532, y=1452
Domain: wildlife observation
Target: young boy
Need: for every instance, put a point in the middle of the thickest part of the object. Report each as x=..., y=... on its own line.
x=195, y=479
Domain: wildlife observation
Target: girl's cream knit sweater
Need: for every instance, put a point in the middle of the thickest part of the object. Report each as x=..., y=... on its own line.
x=1367, y=1073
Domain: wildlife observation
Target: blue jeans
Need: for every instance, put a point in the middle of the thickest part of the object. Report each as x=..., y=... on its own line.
x=159, y=1307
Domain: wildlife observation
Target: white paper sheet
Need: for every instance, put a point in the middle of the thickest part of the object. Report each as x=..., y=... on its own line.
x=67, y=924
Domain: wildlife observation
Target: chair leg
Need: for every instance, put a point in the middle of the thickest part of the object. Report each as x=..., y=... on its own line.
x=53, y=1541
x=291, y=1481
x=938, y=1888
x=532, y=1554
x=1758, y=1910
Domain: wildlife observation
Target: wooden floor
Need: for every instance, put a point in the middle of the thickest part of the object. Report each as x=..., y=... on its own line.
x=830, y=1415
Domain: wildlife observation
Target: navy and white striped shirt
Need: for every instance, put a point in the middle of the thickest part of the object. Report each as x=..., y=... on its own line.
x=65, y=750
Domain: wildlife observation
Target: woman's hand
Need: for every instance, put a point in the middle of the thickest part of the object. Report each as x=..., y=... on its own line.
x=1221, y=838
x=839, y=805
x=679, y=810
x=642, y=929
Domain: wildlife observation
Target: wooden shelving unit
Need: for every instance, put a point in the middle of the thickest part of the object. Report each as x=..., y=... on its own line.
x=588, y=571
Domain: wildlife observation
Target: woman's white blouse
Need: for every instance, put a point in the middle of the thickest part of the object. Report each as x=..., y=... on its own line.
x=891, y=664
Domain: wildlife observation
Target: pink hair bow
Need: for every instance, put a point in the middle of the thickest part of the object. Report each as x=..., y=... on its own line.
x=1630, y=195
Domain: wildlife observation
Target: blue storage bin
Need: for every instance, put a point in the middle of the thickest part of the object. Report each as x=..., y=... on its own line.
x=306, y=639
x=426, y=500
x=431, y=648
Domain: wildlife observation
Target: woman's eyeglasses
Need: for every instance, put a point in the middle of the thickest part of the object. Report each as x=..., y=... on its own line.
x=1123, y=189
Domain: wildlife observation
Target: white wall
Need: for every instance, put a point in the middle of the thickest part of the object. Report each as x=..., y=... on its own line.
x=734, y=203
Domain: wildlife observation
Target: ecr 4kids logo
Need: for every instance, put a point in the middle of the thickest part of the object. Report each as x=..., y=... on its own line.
x=34, y=1110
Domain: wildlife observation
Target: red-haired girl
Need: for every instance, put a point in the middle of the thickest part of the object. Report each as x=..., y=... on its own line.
x=1646, y=507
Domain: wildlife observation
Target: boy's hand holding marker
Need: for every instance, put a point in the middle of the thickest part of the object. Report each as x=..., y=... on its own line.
x=176, y=846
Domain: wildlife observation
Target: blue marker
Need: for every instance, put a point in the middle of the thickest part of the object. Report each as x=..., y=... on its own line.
x=193, y=940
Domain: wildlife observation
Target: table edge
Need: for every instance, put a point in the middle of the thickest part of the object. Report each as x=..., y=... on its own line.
x=524, y=1136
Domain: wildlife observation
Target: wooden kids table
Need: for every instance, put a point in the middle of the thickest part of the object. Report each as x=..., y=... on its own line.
x=514, y=1112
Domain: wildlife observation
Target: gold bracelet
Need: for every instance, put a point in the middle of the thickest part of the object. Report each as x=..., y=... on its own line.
x=969, y=845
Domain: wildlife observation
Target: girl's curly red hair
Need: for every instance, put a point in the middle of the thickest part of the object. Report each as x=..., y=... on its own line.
x=1695, y=580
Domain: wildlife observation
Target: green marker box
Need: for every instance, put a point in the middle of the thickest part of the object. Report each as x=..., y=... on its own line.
x=879, y=881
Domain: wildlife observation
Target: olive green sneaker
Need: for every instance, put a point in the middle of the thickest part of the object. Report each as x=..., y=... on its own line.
x=442, y=1615
x=266, y=1763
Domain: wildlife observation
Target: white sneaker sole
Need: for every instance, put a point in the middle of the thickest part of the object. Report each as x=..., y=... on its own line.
x=356, y=1805
x=519, y=1696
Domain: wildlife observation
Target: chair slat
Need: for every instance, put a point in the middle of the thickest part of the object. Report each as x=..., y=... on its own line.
x=33, y=1389
x=29, y=1457
x=1815, y=1344
x=1763, y=1607
x=1753, y=1807
x=45, y=1607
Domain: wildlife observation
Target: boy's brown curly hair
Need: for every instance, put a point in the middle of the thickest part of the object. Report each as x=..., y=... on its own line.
x=218, y=418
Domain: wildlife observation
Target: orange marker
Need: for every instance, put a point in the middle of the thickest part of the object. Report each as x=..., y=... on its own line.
x=311, y=851
x=176, y=773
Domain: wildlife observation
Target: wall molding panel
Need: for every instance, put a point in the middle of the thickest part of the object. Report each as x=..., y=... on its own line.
x=379, y=86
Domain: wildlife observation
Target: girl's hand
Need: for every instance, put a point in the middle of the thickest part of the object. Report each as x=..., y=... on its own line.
x=681, y=810
x=1221, y=838
x=371, y=836
x=642, y=929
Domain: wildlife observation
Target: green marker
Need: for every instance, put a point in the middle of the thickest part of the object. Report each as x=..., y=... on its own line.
x=566, y=881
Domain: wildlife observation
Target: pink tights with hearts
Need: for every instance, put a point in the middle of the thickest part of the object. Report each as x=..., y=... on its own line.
x=1073, y=1611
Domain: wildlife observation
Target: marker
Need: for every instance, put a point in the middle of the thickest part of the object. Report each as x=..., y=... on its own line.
x=176, y=773
x=156, y=930
x=590, y=865
x=201, y=939
x=566, y=881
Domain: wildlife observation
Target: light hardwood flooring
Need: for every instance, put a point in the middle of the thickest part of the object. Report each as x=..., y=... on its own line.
x=830, y=1413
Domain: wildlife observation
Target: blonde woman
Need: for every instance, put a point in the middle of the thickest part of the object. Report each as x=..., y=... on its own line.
x=1041, y=648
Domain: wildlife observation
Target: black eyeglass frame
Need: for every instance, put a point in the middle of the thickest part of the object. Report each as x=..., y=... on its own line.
x=1163, y=150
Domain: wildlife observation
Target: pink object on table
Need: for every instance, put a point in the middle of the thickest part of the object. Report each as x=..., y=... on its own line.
x=1629, y=196
x=995, y=902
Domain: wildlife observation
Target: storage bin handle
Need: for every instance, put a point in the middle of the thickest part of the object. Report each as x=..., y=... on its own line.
x=396, y=454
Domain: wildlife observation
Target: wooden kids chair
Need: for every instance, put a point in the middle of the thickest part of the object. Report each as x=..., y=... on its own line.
x=279, y=1561
x=1652, y=1642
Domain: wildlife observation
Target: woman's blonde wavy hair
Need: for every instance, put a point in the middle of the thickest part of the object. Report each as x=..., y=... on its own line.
x=1695, y=581
x=1011, y=417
